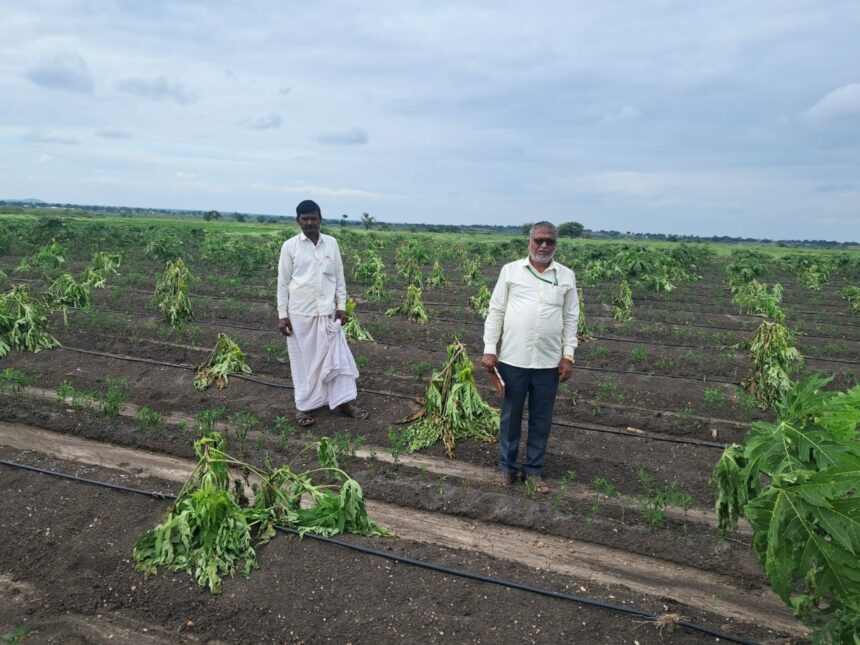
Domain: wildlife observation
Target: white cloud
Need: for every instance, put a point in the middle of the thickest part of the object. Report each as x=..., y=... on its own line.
x=43, y=159
x=39, y=136
x=841, y=103
x=627, y=113
x=156, y=89
x=324, y=191
x=110, y=133
x=634, y=184
x=349, y=137
x=67, y=72
x=267, y=122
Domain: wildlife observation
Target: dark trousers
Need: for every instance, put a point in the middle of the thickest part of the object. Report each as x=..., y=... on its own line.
x=540, y=387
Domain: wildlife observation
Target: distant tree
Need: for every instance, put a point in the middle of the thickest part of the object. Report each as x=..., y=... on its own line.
x=239, y=217
x=343, y=219
x=210, y=215
x=262, y=219
x=368, y=220
x=525, y=228
x=570, y=229
x=672, y=238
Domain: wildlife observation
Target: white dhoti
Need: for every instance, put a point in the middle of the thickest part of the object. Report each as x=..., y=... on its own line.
x=321, y=363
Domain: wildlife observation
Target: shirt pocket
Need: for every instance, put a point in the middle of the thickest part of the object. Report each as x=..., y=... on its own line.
x=328, y=266
x=554, y=296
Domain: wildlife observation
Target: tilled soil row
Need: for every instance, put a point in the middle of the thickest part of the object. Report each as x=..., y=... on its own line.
x=598, y=564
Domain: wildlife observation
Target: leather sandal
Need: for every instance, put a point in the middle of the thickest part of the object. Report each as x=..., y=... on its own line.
x=304, y=419
x=353, y=412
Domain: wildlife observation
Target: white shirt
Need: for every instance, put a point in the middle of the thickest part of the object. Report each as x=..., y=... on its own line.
x=534, y=314
x=310, y=277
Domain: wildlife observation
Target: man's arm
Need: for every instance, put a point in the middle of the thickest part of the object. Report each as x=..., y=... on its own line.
x=495, y=320
x=570, y=323
x=339, y=287
x=285, y=274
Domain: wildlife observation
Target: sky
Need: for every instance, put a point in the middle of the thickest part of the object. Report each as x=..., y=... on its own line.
x=738, y=118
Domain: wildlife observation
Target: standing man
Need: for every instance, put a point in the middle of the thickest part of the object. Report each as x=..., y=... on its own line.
x=534, y=311
x=312, y=312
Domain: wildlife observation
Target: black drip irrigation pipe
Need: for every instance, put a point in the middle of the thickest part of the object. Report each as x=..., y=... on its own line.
x=430, y=566
x=406, y=397
x=213, y=323
x=732, y=329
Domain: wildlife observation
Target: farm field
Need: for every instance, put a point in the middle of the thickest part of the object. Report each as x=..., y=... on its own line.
x=651, y=404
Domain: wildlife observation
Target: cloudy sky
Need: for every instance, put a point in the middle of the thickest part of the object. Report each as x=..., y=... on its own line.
x=736, y=117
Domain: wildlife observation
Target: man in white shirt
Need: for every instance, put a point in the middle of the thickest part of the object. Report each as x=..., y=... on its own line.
x=312, y=312
x=534, y=312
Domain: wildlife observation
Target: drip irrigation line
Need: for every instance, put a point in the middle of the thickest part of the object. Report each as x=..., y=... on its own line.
x=651, y=437
x=437, y=350
x=85, y=480
x=732, y=329
x=396, y=395
x=421, y=564
x=699, y=379
x=125, y=357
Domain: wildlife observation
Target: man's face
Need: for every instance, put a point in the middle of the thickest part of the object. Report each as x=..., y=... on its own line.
x=310, y=223
x=542, y=245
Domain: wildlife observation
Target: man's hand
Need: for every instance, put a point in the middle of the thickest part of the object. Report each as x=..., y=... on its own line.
x=565, y=367
x=340, y=315
x=488, y=362
x=285, y=326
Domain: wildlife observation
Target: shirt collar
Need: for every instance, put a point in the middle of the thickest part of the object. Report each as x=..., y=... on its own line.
x=304, y=237
x=526, y=263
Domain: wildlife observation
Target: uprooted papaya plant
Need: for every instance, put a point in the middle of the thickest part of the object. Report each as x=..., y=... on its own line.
x=227, y=358
x=797, y=482
x=353, y=328
x=452, y=408
x=23, y=323
x=212, y=529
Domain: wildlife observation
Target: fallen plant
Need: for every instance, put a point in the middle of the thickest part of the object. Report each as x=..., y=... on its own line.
x=452, y=407
x=622, y=303
x=171, y=293
x=23, y=323
x=481, y=302
x=227, y=358
x=413, y=308
x=774, y=359
x=212, y=529
x=353, y=328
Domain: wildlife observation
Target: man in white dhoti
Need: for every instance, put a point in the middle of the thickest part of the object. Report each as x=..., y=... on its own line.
x=312, y=312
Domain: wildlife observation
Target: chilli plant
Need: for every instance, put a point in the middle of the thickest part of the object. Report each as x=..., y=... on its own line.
x=797, y=482
x=212, y=528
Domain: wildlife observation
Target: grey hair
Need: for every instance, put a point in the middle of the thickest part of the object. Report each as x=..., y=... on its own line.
x=538, y=225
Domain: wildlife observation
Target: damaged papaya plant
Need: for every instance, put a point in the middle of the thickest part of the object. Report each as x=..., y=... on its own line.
x=213, y=529
x=797, y=482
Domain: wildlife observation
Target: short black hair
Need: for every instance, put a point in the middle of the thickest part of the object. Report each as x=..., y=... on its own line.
x=308, y=206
